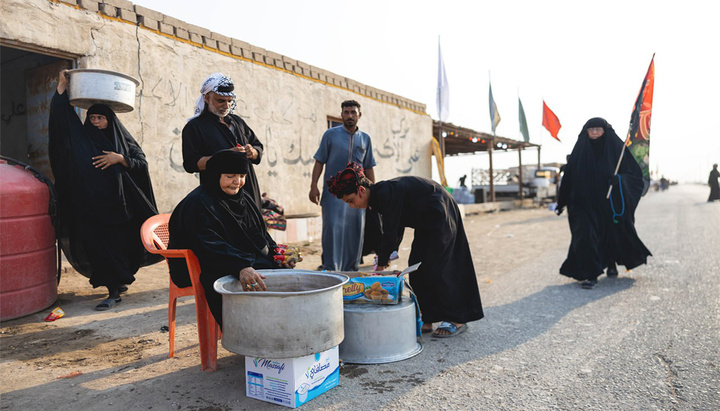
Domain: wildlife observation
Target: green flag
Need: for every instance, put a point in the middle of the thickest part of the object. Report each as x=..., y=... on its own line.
x=523, y=122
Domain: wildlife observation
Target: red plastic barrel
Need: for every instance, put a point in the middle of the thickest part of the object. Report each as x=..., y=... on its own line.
x=28, y=262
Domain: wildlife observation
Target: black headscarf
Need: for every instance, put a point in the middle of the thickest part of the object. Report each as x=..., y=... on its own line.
x=247, y=217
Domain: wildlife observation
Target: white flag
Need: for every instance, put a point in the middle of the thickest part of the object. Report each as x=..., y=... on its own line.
x=443, y=91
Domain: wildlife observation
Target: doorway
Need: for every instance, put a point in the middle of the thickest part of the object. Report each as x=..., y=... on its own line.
x=27, y=84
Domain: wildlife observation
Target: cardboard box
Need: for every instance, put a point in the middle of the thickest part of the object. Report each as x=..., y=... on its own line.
x=291, y=381
x=382, y=287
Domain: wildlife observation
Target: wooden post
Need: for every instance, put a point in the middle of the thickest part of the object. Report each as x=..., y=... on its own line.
x=539, y=164
x=441, y=140
x=520, y=173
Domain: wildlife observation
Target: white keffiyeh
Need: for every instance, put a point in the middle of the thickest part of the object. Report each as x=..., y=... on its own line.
x=219, y=84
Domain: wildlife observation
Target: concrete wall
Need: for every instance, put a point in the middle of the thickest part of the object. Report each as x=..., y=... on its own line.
x=285, y=101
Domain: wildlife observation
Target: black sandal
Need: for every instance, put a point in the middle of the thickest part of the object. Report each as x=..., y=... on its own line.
x=107, y=303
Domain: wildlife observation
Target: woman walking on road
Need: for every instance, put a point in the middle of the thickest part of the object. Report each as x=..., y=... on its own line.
x=603, y=230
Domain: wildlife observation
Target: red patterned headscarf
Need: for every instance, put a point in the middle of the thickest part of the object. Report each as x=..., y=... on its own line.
x=346, y=181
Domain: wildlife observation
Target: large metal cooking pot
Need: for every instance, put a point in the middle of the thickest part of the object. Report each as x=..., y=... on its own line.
x=379, y=334
x=94, y=86
x=300, y=314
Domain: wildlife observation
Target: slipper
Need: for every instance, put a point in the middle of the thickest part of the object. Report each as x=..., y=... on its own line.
x=107, y=304
x=451, y=328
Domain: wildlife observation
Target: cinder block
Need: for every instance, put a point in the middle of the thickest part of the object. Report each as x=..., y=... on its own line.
x=241, y=48
x=167, y=29
x=90, y=5
x=220, y=37
x=128, y=15
x=224, y=47
x=147, y=13
x=288, y=66
x=182, y=33
x=258, y=56
x=240, y=43
x=120, y=4
x=71, y=2
x=173, y=21
x=107, y=10
x=199, y=30
x=210, y=42
x=195, y=38
x=148, y=22
x=236, y=51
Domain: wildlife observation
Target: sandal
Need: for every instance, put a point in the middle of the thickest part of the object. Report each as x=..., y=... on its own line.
x=107, y=303
x=588, y=284
x=451, y=329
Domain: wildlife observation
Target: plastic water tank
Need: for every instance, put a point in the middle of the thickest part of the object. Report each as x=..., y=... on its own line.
x=28, y=258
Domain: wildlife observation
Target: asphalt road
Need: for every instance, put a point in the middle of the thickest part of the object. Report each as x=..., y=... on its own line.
x=647, y=340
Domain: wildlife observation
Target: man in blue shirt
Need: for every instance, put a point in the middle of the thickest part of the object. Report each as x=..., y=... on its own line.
x=342, y=227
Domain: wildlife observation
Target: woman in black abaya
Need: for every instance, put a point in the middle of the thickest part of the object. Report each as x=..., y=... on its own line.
x=221, y=223
x=445, y=283
x=104, y=193
x=603, y=230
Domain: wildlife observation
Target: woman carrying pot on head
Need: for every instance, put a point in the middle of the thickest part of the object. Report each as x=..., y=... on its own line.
x=221, y=223
x=445, y=283
x=104, y=194
x=603, y=229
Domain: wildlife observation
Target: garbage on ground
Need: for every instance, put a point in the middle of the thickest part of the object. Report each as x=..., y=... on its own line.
x=55, y=314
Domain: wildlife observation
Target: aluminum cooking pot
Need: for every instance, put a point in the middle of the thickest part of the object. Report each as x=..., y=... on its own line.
x=94, y=86
x=300, y=314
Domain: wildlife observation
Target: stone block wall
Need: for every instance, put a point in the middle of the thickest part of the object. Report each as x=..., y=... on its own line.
x=285, y=101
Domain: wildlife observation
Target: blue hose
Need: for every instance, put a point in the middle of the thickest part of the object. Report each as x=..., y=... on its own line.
x=622, y=201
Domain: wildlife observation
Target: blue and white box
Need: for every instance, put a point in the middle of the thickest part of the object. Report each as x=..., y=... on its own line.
x=291, y=381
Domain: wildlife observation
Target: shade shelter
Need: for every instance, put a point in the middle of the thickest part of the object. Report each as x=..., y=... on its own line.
x=455, y=140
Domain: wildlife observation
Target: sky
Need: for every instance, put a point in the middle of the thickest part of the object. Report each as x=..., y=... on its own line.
x=583, y=58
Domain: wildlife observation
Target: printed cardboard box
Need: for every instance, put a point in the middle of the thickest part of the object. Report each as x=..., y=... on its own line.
x=382, y=287
x=291, y=381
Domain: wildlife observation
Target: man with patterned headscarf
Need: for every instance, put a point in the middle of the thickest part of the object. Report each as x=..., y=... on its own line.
x=213, y=127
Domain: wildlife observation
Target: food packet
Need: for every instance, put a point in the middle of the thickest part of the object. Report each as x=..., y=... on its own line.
x=55, y=314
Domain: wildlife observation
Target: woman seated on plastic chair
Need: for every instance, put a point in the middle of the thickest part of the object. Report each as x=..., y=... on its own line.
x=222, y=225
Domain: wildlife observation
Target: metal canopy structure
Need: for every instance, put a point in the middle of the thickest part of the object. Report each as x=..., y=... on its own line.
x=460, y=140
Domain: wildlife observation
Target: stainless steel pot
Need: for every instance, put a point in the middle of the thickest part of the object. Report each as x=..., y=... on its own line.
x=93, y=86
x=378, y=334
x=300, y=314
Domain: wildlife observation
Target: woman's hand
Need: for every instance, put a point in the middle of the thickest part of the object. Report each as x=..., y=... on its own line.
x=252, y=280
x=109, y=159
x=287, y=264
x=63, y=80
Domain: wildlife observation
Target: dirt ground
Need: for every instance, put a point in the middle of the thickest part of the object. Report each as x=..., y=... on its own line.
x=98, y=360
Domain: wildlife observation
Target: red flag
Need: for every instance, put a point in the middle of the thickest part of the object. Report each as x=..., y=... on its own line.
x=550, y=121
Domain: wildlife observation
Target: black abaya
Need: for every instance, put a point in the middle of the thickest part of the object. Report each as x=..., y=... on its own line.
x=714, y=185
x=100, y=211
x=445, y=284
x=601, y=236
x=205, y=135
x=226, y=233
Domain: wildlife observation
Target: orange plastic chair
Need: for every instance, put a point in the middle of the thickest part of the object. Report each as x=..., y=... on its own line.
x=155, y=236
